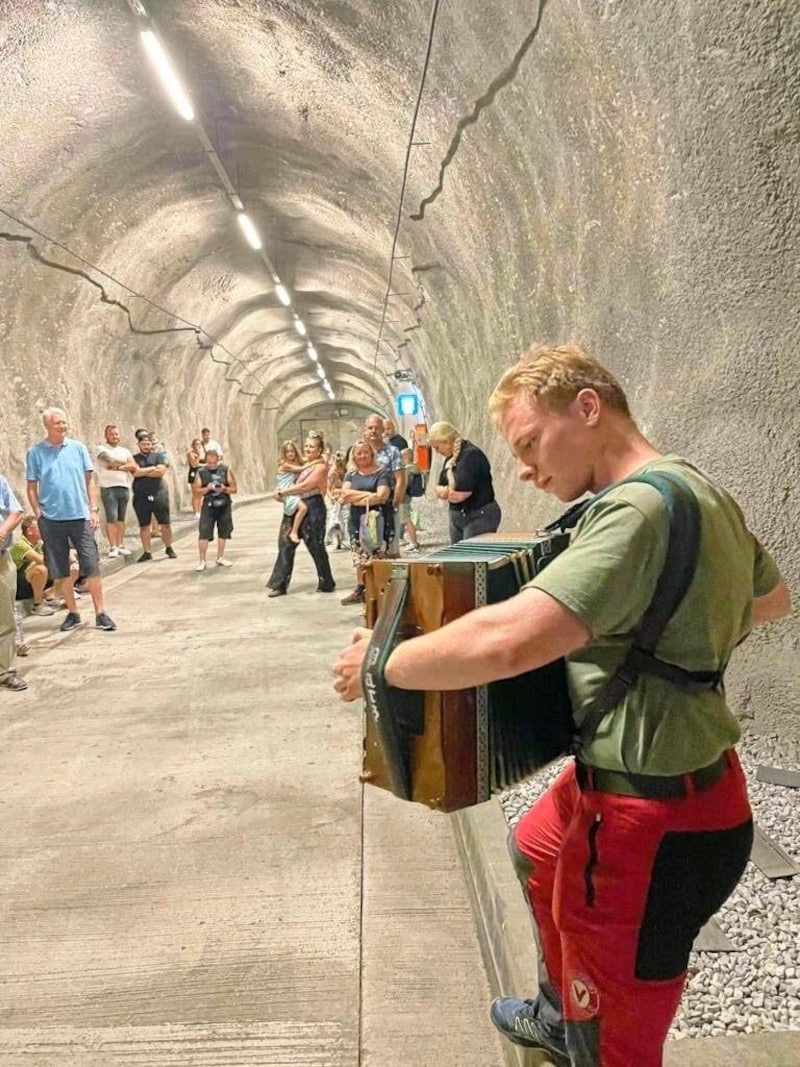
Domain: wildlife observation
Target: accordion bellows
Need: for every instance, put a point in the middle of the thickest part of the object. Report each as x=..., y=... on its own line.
x=449, y=750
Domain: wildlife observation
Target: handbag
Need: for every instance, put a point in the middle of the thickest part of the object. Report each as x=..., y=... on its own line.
x=370, y=530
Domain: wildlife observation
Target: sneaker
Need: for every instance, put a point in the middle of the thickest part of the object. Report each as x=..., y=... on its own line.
x=81, y=586
x=42, y=608
x=321, y=588
x=13, y=682
x=123, y=551
x=104, y=622
x=201, y=566
x=56, y=602
x=412, y=550
x=170, y=552
x=72, y=620
x=519, y=1021
x=145, y=557
x=358, y=596
x=113, y=553
x=222, y=562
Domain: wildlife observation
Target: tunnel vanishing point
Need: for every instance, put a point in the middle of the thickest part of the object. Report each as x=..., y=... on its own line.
x=434, y=186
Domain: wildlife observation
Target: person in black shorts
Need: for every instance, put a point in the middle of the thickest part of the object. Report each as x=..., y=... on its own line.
x=217, y=484
x=151, y=498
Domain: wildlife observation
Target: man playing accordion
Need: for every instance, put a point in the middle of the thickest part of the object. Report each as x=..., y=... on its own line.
x=609, y=856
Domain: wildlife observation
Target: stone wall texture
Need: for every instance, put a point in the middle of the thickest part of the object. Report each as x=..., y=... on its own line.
x=621, y=173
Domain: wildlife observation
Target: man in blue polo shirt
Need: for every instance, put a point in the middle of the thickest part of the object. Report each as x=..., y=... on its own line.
x=63, y=497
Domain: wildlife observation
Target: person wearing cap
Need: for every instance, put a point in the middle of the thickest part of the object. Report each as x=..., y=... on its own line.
x=217, y=483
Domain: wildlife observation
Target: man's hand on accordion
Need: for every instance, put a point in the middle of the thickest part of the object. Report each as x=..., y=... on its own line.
x=348, y=666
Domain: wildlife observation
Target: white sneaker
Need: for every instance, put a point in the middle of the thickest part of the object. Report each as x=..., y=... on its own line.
x=42, y=609
x=123, y=551
x=113, y=553
x=222, y=562
x=201, y=566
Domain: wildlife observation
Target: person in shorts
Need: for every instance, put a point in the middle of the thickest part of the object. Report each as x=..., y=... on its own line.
x=151, y=498
x=115, y=468
x=63, y=496
x=217, y=485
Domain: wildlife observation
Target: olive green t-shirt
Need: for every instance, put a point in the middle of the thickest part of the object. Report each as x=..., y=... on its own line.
x=607, y=577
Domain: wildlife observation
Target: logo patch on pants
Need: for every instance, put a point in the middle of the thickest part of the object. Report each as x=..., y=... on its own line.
x=585, y=997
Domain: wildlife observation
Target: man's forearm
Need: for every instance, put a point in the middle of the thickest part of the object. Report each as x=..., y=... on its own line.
x=10, y=524
x=32, y=492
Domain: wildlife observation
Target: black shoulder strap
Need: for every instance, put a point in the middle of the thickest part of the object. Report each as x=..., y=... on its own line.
x=683, y=549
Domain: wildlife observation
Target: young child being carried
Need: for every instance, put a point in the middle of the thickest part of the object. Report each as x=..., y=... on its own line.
x=290, y=465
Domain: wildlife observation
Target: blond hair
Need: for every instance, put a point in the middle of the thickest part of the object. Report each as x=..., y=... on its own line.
x=297, y=461
x=444, y=433
x=551, y=376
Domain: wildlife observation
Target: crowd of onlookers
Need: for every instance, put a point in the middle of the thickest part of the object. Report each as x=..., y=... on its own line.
x=54, y=559
x=366, y=498
x=362, y=498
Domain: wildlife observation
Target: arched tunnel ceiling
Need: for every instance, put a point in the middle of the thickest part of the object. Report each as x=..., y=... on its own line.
x=618, y=172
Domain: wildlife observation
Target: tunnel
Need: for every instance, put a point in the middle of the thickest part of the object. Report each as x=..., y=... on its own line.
x=432, y=187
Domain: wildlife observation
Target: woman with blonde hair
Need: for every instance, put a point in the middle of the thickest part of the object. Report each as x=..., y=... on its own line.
x=367, y=487
x=465, y=482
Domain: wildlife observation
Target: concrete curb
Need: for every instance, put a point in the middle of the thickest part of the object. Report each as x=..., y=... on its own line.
x=504, y=927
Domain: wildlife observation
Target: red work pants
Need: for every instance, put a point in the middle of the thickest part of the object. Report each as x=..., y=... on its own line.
x=619, y=888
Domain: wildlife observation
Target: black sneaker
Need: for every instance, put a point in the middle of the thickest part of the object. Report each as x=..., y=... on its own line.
x=13, y=682
x=519, y=1021
x=72, y=620
x=145, y=556
x=170, y=551
x=104, y=622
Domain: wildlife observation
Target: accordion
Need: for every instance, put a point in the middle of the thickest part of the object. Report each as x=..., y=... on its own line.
x=449, y=750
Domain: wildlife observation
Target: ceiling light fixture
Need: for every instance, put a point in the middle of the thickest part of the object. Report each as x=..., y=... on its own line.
x=312, y=353
x=169, y=79
x=300, y=326
x=282, y=294
x=249, y=230
x=320, y=371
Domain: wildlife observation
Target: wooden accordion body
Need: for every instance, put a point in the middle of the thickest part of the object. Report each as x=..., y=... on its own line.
x=449, y=750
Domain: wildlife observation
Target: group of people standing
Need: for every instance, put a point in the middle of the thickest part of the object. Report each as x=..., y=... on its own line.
x=375, y=485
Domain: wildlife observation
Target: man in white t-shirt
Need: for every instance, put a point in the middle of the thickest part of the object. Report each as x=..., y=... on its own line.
x=115, y=467
x=208, y=443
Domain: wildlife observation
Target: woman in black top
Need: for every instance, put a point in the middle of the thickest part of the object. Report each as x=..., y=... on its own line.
x=465, y=483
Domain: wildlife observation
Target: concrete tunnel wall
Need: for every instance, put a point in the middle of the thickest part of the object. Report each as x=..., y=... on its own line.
x=619, y=173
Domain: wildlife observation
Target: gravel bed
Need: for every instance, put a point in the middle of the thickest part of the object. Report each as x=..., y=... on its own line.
x=756, y=988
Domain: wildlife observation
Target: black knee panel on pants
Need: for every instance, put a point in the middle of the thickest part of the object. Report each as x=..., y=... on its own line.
x=693, y=875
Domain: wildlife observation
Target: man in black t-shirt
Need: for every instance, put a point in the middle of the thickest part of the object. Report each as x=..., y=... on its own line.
x=151, y=498
x=391, y=435
x=217, y=484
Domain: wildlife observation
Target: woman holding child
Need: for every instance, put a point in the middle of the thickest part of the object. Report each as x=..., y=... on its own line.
x=309, y=478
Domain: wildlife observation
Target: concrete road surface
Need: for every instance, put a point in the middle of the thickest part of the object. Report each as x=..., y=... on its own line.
x=192, y=873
